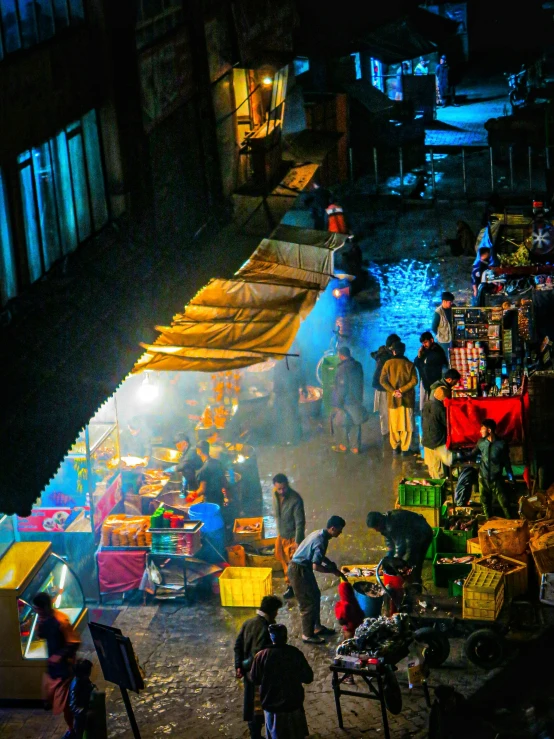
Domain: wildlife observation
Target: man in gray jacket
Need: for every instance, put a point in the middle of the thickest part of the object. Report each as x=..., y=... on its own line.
x=288, y=509
x=442, y=322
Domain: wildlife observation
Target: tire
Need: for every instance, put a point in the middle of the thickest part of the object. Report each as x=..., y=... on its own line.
x=437, y=646
x=391, y=693
x=485, y=649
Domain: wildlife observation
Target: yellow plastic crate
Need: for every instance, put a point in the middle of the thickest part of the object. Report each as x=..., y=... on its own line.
x=483, y=595
x=431, y=515
x=515, y=582
x=355, y=578
x=473, y=546
x=245, y=586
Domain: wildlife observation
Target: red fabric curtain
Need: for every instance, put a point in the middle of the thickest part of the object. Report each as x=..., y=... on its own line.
x=465, y=415
x=119, y=571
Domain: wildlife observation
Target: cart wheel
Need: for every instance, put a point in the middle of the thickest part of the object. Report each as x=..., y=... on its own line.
x=484, y=648
x=391, y=693
x=437, y=646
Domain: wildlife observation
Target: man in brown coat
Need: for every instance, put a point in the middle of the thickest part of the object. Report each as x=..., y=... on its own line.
x=399, y=378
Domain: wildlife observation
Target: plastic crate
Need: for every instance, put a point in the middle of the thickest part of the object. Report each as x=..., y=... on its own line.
x=473, y=546
x=455, y=590
x=245, y=586
x=430, y=553
x=442, y=573
x=455, y=541
x=431, y=515
x=483, y=595
x=515, y=582
x=422, y=495
x=185, y=541
x=359, y=578
x=241, y=537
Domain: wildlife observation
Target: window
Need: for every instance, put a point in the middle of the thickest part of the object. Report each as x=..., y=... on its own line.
x=63, y=195
x=8, y=284
x=155, y=18
x=25, y=23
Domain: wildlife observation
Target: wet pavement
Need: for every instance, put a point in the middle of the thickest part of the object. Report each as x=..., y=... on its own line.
x=187, y=651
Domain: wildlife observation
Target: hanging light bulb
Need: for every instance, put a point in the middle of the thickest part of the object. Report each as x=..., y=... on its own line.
x=148, y=390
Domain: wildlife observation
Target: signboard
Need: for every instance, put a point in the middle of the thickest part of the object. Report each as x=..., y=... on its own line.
x=117, y=657
x=44, y=520
x=166, y=78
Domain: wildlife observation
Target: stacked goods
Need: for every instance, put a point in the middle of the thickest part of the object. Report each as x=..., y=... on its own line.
x=541, y=545
x=515, y=573
x=470, y=361
x=503, y=536
x=126, y=531
x=451, y=566
x=184, y=540
x=421, y=492
x=483, y=595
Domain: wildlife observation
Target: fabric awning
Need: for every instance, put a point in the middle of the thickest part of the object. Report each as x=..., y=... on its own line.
x=397, y=41
x=236, y=323
x=370, y=97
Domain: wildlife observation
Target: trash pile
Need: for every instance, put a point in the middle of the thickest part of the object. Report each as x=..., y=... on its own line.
x=380, y=637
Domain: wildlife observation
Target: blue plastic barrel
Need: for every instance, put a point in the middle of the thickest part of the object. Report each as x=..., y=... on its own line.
x=371, y=607
x=213, y=530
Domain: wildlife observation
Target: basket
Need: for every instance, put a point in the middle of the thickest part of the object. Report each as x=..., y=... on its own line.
x=431, y=515
x=442, y=573
x=515, y=582
x=240, y=538
x=422, y=495
x=454, y=541
x=483, y=595
x=185, y=541
x=245, y=586
x=473, y=546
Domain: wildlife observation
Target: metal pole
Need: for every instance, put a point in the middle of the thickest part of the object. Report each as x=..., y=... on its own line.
x=130, y=713
x=464, y=174
x=401, y=163
x=351, y=164
x=530, y=152
x=376, y=169
x=492, y=168
x=432, y=172
x=511, y=154
x=547, y=154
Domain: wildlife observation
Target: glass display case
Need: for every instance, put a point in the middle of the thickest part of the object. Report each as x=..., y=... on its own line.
x=56, y=578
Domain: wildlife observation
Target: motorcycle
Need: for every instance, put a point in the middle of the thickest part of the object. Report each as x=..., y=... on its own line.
x=521, y=94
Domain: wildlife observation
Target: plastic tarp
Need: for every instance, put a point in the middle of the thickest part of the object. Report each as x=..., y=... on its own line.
x=465, y=415
x=295, y=256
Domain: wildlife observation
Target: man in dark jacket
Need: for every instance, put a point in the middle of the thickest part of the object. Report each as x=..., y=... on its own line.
x=280, y=671
x=434, y=430
x=380, y=401
x=348, y=401
x=289, y=380
x=495, y=457
x=288, y=509
x=430, y=363
x=441, y=74
x=407, y=536
x=253, y=637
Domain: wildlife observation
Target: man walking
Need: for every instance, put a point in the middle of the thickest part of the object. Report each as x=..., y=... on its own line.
x=280, y=671
x=495, y=457
x=399, y=379
x=442, y=322
x=310, y=556
x=407, y=536
x=430, y=363
x=433, y=421
x=253, y=637
x=441, y=74
x=348, y=402
x=288, y=509
x=289, y=380
x=380, y=400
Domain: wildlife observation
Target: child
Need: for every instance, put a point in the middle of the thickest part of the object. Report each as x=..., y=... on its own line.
x=347, y=611
x=80, y=691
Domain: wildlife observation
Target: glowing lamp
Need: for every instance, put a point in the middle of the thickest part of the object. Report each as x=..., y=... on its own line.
x=148, y=390
x=267, y=81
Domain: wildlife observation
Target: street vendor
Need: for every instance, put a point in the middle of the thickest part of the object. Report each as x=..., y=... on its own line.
x=407, y=536
x=495, y=457
x=188, y=464
x=288, y=509
x=211, y=476
x=310, y=557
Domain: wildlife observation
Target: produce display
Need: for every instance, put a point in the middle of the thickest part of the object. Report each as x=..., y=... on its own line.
x=498, y=564
x=380, y=637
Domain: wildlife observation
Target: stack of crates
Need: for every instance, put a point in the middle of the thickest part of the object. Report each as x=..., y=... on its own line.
x=483, y=595
x=515, y=582
x=426, y=500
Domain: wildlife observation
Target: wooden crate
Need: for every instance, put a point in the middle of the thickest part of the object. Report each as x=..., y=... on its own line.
x=254, y=536
x=483, y=596
x=515, y=582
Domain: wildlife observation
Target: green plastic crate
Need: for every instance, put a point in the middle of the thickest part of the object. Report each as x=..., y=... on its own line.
x=455, y=541
x=455, y=590
x=442, y=573
x=430, y=554
x=430, y=496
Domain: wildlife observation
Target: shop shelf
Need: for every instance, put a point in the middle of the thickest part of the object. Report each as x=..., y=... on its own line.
x=515, y=582
x=245, y=586
x=430, y=554
x=430, y=496
x=442, y=573
x=483, y=595
x=253, y=536
x=455, y=541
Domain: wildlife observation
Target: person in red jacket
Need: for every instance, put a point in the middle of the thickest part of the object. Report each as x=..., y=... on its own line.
x=347, y=611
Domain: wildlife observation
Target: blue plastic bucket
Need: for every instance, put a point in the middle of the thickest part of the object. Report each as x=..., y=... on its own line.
x=371, y=607
x=209, y=514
